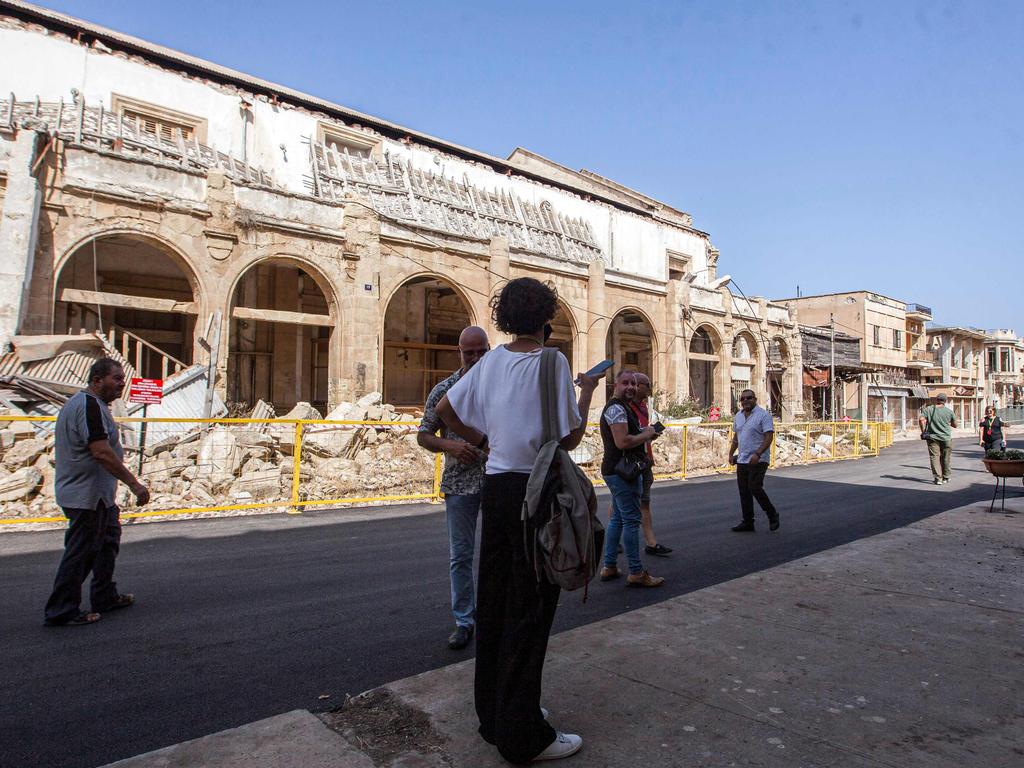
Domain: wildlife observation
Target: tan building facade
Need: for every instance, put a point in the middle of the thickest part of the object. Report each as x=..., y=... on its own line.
x=958, y=371
x=1004, y=368
x=324, y=254
x=892, y=341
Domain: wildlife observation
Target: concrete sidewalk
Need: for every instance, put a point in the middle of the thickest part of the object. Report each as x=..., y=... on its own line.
x=900, y=650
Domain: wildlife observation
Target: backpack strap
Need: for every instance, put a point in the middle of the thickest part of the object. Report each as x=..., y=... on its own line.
x=548, y=393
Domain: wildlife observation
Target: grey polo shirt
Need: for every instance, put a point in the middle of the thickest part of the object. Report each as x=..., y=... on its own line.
x=80, y=481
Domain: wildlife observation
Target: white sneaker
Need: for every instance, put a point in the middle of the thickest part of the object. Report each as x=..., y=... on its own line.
x=565, y=744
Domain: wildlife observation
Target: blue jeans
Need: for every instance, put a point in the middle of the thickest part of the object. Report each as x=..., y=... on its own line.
x=462, y=512
x=625, y=522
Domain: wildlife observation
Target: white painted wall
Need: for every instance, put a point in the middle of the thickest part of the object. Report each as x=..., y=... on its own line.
x=48, y=66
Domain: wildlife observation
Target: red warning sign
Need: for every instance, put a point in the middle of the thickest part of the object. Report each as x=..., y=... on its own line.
x=150, y=391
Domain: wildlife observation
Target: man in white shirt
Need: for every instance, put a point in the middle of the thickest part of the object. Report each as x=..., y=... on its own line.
x=752, y=435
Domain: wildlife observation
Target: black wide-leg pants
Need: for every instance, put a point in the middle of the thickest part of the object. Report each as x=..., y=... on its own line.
x=91, y=543
x=514, y=613
x=750, y=480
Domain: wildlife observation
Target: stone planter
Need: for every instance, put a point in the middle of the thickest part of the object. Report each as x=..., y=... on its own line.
x=1005, y=467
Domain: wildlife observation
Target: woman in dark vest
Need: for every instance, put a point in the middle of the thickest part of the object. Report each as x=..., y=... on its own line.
x=622, y=436
x=991, y=430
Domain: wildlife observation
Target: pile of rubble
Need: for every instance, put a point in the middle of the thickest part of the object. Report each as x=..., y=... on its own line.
x=241, y=464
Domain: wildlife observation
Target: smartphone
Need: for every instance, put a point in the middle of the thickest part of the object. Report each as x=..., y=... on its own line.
x=600, y=368
x=658, y=427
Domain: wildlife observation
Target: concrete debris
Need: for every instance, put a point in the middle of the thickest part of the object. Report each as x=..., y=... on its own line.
x=245, y=463
x=20, y=485
x=24, y=453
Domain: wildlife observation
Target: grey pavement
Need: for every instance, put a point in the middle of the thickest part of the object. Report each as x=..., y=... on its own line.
x=902, y=649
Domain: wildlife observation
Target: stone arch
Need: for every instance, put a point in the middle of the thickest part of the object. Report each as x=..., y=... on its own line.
x=563, y=335
x=704, y=352
x=632, y=343
x=283, y=315
x=423, y=318
x=140, y=290
x=779, y=363
x=743, y=367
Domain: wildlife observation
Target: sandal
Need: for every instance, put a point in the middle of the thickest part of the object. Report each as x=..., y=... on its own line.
x=122, y=601
x=80, y=620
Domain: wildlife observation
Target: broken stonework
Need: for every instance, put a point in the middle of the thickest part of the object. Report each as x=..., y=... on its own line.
x=20, y=484
x=218, y=454
x=166, y=466
x=261, y=484
x=24, y=453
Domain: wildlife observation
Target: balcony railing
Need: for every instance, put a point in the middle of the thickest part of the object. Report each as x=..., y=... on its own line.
x=919, y=309
x=921, y=356
x=113, y=132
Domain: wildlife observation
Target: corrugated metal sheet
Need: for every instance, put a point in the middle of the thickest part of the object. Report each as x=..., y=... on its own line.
x=184, y=396
x=67, y=370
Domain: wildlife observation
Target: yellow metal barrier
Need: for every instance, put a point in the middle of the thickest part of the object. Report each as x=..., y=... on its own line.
x=708, y=441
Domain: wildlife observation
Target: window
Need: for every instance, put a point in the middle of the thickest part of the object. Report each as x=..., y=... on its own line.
x=876, y=335
x=678, y=265
x=348, y=140
x=992, y=360
x=156, y=121
x=1004, y=358
x=897, y=338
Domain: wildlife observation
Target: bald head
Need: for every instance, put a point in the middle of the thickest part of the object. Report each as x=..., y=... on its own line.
x=473, y=345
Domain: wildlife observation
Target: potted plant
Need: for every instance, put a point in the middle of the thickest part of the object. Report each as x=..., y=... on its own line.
x=1005, y=463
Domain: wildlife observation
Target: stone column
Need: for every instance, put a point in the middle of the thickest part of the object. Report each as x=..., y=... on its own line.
x=500, y=272
x=597, y=325
x=675, y=344
x=19, y=226
x=356, y=343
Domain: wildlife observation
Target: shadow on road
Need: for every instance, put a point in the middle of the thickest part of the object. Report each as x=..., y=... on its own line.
x=232, y=628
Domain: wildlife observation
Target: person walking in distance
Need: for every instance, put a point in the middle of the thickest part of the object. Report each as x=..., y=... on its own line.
x=89, y=462
x=461, y=483
x=750, y=450
x=643, y=408
x=497, y=405
x=937, y=423
x=624, y=438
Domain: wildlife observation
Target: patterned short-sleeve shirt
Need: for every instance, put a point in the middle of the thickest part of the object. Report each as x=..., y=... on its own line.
x=458, y=479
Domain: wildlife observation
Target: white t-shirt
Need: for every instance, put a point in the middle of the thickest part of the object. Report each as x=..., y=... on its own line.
x=500, y=396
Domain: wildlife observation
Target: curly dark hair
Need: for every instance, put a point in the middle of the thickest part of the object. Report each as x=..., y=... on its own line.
x=524, y=305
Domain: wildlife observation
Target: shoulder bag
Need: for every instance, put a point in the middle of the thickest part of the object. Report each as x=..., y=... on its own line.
x=633, y=462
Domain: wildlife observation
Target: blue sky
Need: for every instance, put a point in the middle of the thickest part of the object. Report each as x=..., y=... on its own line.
x=834, y=146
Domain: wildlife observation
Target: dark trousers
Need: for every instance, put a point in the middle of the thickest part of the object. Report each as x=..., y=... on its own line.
x=940, y=453
x=751, y=483
x=91, y=543
x=513, y=620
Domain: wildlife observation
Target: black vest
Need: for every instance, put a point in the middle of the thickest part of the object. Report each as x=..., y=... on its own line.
x=612, y=454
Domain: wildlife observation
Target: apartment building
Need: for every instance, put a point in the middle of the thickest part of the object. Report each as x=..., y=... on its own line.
x=958, y=370
x=892, y=354
x=1004, y=368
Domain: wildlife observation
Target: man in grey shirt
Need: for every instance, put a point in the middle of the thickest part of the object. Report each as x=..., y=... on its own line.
x=89, y=461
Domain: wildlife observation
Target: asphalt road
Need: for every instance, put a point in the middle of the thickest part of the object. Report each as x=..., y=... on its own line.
x=242, y=618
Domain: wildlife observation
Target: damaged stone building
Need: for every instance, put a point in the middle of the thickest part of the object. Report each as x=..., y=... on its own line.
x=321, y=254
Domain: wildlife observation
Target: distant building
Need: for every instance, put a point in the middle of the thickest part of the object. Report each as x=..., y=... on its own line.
x=820, y=351
x=957, y=370
x=1004, y=368
x=891, y=335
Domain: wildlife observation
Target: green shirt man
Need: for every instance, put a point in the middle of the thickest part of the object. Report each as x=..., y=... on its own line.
x=937, y=422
